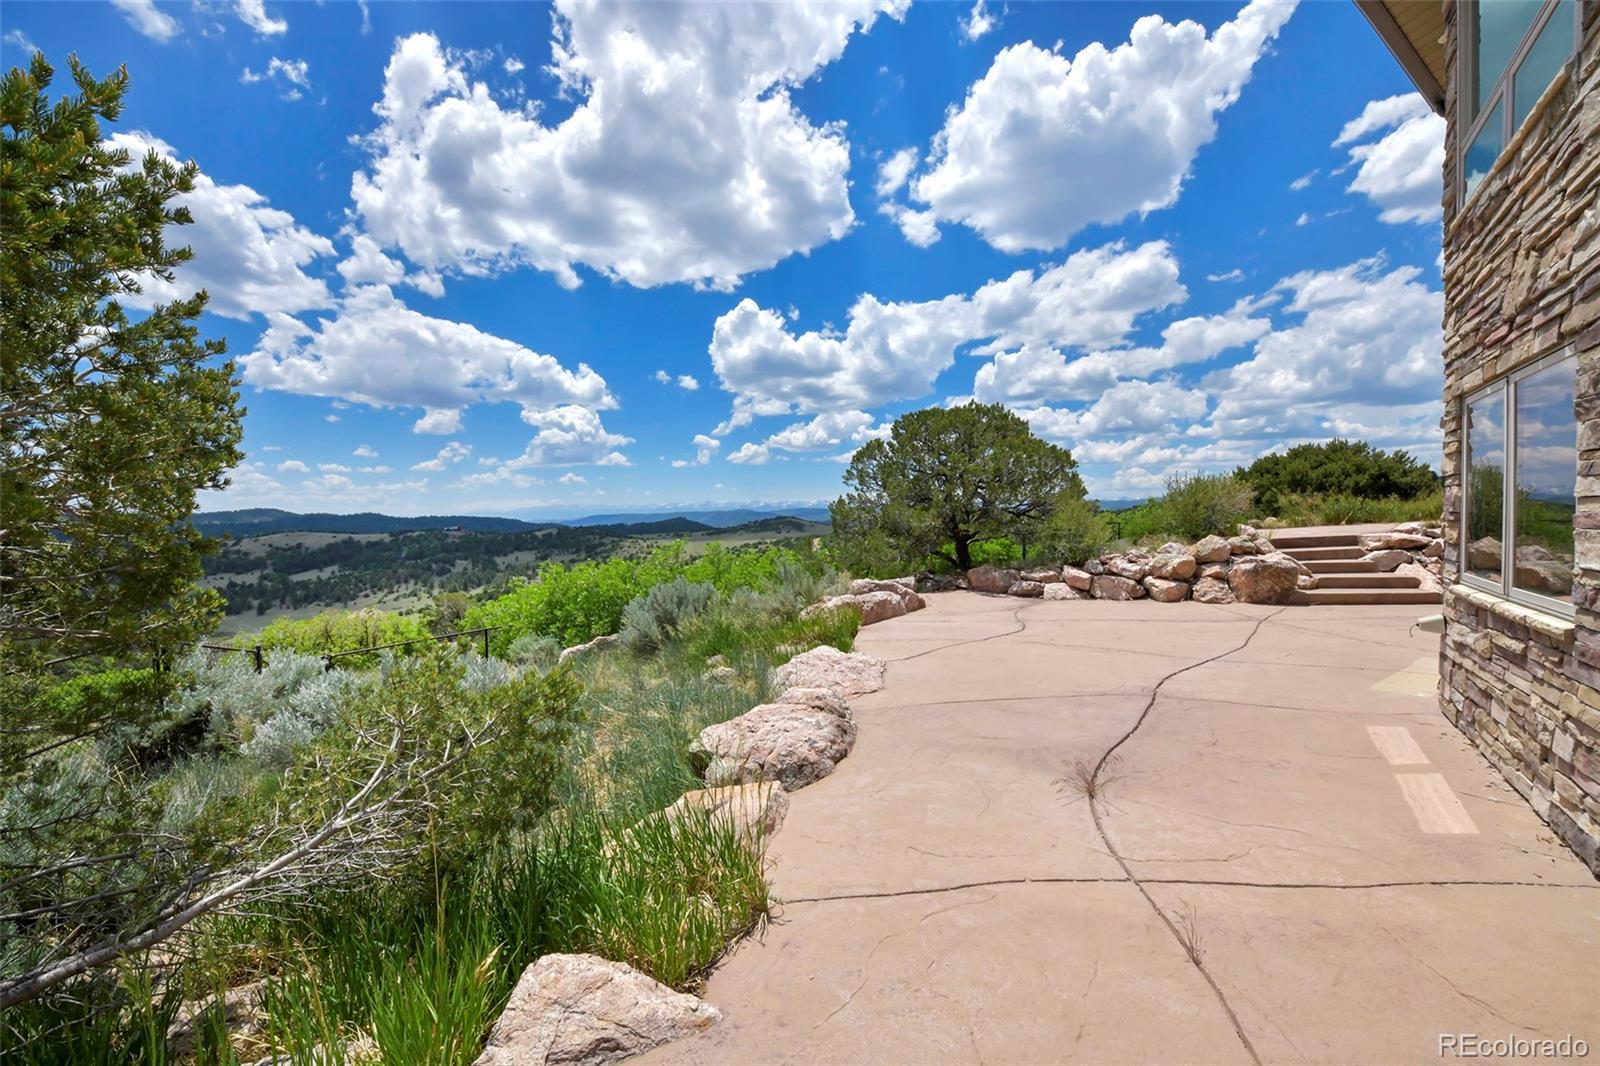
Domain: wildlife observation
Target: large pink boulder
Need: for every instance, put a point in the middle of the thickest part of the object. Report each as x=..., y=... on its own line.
x=991, y=579
x=1112, y=587
x=583, y=1010
x=1263, y=578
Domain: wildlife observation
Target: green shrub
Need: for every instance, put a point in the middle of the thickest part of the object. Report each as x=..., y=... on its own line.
x=343, y=631
x=650, y=621
x=1339, y=509
x=1338, y=467
x=1074, y=532
x=577, y=603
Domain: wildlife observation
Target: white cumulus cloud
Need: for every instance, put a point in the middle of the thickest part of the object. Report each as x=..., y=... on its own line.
x=375, y=350
x=684, y=160
x=1044, y=145
x=1401, y=172
x=250, y=257
x=895, y=351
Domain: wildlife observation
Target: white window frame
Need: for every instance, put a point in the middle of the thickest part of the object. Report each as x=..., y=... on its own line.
x=1503, y=89
x=1506, y=586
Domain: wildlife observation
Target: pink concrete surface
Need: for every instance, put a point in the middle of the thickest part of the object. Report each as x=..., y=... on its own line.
x=1259, y=887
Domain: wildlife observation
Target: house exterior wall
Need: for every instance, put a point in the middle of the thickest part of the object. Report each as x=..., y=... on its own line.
x=1522, y=282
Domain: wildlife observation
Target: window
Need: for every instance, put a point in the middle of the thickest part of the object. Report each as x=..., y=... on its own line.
x=1520, y=483
x=1515, y=50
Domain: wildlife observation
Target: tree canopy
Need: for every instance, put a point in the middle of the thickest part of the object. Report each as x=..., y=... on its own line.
x=1346, y=467
x=108, y=425
x=945, y=480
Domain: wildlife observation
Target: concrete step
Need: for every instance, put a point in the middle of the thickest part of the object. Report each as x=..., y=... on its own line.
x=1314, y=540
x=1328, y=597
x=1306, y=555
x=1341, y=566
x=1366, y=581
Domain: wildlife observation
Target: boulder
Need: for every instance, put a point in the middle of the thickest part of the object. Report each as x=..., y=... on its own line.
x=1419, y=528
x=1212, y=549
x=1173, y=566
x=1172, y=547
x=823, y=699
x=1213, y=570
x=1300, y=567
x=1042, y=576
x=1032, y=589
x=599, y=643
x=1212, y=590
x=1164, y=591
x=1133, y=565
x=931, y=582
x=1094, y=567
x=793, y=744
x=756, y=811
x=1372, y=542
x=875, y=607
x=1484, y=554
x=583, y=1010
x=1241, y=546
x=1063, y=591
x=240, y=1010
x=991, y=579
x=1434, y=550
x=847, y=673
x=1078, y=579
x=897, y=585
x=721, y=675
x=1112, y=587
x=1425, y=579
x=1263, y=578
x=1387, y=559
x=1305, y=582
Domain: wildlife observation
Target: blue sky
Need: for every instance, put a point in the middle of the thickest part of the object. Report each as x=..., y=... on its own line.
x=504, y=258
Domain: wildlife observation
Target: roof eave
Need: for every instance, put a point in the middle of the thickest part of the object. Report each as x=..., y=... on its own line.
x=1410, y=60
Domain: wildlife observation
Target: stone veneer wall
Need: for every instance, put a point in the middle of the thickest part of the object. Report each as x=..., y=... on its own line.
x=1522, y=281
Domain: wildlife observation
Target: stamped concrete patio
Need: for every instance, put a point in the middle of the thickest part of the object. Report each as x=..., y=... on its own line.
x=1291, y=855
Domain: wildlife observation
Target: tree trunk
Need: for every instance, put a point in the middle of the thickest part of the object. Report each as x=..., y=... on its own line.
x=963, y=553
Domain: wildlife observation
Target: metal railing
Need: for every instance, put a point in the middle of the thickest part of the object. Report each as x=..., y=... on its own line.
x=258, y=653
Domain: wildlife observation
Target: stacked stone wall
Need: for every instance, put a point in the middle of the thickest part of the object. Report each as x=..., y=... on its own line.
x=1522, y=282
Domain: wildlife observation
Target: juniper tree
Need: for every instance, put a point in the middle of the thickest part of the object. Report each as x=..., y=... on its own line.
x=945, y=480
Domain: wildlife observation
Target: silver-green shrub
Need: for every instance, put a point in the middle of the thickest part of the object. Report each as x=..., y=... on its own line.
x=649, y=622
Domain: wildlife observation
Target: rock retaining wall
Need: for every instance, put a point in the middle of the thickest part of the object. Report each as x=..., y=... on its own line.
x=1522, y=282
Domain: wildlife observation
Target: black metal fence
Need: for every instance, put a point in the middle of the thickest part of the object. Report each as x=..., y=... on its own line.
x=258, y=654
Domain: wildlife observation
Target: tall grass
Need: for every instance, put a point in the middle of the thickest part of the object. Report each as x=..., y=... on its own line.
x=415, y=970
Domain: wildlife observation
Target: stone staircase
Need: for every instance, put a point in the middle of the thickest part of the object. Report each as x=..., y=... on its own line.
x=1343, y=576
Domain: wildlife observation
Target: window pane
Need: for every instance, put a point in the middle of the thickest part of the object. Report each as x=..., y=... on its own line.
x=1486, y=149
x=1539, y=67
x=1486, y=465
x=1501, y=25
x=1546, y=480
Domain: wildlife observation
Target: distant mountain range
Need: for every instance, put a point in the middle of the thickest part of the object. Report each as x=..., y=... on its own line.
x=716, y=519
x=259, y=521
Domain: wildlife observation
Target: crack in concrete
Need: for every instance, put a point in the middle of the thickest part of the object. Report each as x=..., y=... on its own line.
x=1016, y=618
x=1105, y=837
x=1204, y=882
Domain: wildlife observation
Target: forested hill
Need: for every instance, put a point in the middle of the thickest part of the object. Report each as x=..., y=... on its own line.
x=259, y=521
